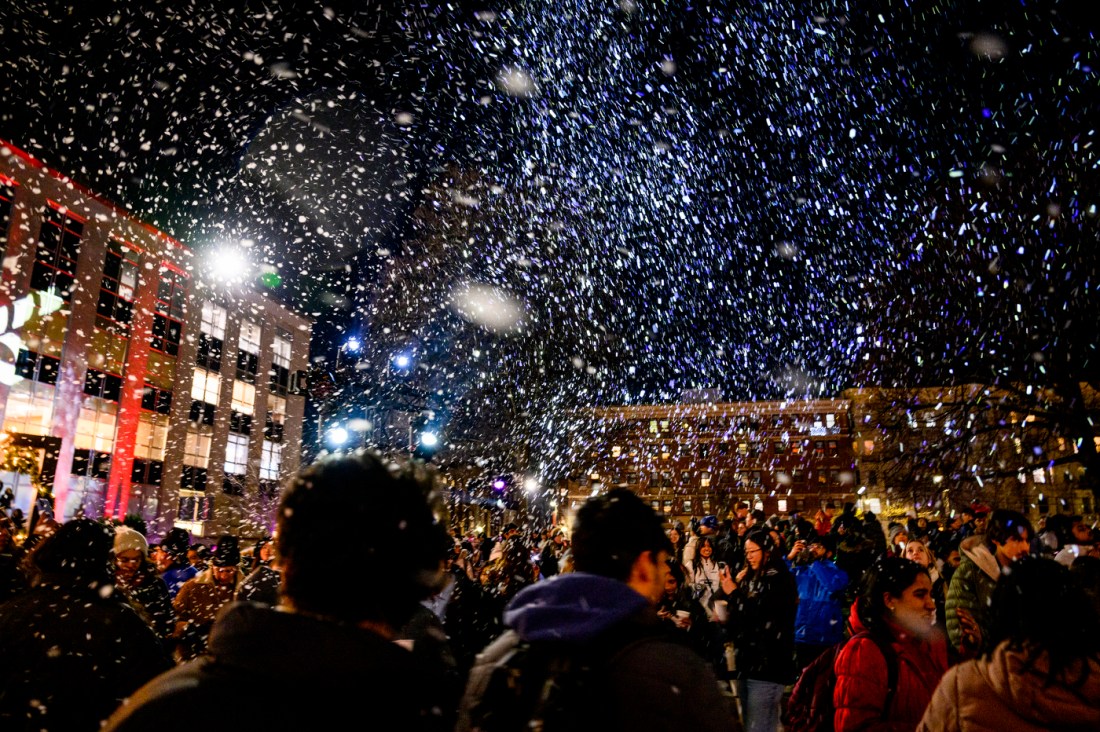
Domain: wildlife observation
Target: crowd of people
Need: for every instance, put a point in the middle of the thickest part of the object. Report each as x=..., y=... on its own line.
x=755, y=622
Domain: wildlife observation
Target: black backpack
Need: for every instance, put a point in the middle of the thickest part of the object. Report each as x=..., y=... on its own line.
x=550, y=686
x=810, y=706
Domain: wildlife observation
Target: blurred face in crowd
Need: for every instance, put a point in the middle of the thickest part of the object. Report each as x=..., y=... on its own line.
x=754, y=555
x=1082, y=534
x=671, y=585
x=674, y=535
x=817, y=549
x=128, y=562
x=915, y=610
x=706, y=550
x=953, y=559
x=980, y=523
x=918, y=552
x=162, y=559
x=224, y=575
x=267, y=552
x=1014, y=548
x=742, y=528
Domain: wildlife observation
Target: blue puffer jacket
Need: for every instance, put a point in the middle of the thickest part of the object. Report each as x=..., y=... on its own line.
x=820, y=619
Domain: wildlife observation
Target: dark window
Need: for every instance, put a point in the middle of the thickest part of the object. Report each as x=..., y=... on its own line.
x=210, y=352
x=148, y=472
x=58, y=250
x=201, y=412
x=101, y=464
x=7, y=200
x=168, y=319
x=100, y=384
x=241, y=423
x=33, y=366
x=116, y=290
x=193, y=478
x=280, y=380
x=156, y=400
x=269, y=489
x=247, y=366
x=273, y=430
x=233, y=485
x=81, y=460
x=91, y=463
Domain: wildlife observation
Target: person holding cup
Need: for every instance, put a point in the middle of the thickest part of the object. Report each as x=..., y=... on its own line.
x=689, y=619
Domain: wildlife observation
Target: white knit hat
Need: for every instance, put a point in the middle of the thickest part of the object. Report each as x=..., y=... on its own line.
x=127, y=539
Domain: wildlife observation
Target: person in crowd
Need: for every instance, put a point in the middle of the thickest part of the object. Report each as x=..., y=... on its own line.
x=872, y=531
x=893, y=622
x=198, y=556
x=170, y=557
x=970, y=594
x=819, y=623
x=897, y=538
x=467, y=613
x=823, y=519
x=138, y=581
x=327, y=654
x=200, y=598
x=606, y=609
x=966, y=528
x=262, y=583
x=12, y=579
x=71, y=649
x=1043, y=670
x=683, y=613
x=679, y=541
x=708, y=526
x=705, y=580
x=551, y=552
x=854, y=551
x=763, y=602
x=919, y=552
x=1078, y=542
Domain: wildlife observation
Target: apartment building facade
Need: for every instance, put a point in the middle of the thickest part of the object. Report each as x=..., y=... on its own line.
x=127, y=385
x=696, y=459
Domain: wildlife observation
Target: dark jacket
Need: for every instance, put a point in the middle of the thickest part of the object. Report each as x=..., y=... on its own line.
x=652, y=684
x=861, y=690
x=262, y=586
x=820, y=618
x=69, y=654
x=269, y=671
x=148, y=594
x=761, y=623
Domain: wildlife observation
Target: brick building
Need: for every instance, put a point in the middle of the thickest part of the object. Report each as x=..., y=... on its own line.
x=126, y=385
x=698, y=459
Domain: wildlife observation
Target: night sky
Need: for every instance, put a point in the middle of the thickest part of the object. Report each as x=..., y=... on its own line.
x=551, y=204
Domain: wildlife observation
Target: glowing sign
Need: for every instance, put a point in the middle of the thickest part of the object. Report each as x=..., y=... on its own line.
x=14, y=315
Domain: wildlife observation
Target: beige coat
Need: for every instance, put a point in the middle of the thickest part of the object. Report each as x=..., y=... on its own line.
x=996, y=694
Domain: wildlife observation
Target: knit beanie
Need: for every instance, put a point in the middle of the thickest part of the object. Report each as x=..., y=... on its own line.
x=896, y=531
x=127, y=539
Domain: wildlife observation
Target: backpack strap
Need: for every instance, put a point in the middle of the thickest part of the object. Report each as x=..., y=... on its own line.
x=886, y=648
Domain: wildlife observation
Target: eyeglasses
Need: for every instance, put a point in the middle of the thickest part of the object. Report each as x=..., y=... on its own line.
x=128, y=560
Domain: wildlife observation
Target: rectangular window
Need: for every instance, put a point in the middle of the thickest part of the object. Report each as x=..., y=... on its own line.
x=250, y=337
x=35, y=367
x=101, y=384
x=148, y=472
x=280, y=349
x=95, y=427
x=196, y=446
x=193, y=478
x=152, y=435
x=248, y=364
x=168, y=318
x=29, y=408
x=271, y=460
x=276, y=419
x=195, y=506
x=201, y=412
x=156, y=400
x=58, y=250
x=833, y=448
x=209, y=354
x=91, y=463
x=213, y=320
x=7, y=202
x=236, y=454
x=244, y=397
x=115, y=307
x=206, y=386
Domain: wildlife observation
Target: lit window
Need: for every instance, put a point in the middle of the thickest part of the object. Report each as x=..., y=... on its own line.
x=244, y=397
x=830, y=420
x=206, y=386
x=280, y=350
x=152, y=434
x=213, y=320
x=271, y=460
x=236, y=454
x=95, y=428
x=868, y=447
x=196, y=446
x=250, y=337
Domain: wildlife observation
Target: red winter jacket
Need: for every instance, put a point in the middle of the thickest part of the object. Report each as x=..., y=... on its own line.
x=861, y=681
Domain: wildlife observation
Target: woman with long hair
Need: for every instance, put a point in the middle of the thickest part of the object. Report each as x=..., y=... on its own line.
x=1043, y=672
x=705, y=579
x=763, y=601
x=918, y=551
x=895, y=640
x=679, y=540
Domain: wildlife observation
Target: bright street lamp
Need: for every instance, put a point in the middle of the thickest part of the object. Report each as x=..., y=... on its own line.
x=337, y=437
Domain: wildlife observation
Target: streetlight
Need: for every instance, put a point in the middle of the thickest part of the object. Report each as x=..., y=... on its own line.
x=337, y=437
